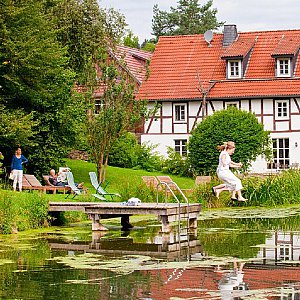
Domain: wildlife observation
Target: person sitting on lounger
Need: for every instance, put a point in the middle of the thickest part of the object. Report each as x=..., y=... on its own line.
x=56, y=180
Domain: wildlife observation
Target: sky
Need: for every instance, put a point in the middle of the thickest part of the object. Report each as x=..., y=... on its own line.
x=253, y=15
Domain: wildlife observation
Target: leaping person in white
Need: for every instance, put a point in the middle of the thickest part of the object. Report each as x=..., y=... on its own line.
x=231, y=182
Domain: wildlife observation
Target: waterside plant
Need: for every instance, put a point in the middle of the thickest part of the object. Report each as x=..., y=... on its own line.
x=271, y=190
x=22, y=211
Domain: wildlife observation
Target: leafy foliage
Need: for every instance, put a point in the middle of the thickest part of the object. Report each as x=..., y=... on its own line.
x=177, y=164
x=119, y=111
x=36, y=83
x=189, y=17
x=83, y=27
x=21, y=213
x=227, y=125
x=280, y=189
x=131, y=41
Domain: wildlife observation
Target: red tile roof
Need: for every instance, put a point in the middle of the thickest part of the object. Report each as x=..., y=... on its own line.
x=288, y=45
x=135, y=60
x=241, y=47
x=177, y=60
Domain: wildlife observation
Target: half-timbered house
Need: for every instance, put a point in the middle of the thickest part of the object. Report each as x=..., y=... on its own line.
x=192, y=77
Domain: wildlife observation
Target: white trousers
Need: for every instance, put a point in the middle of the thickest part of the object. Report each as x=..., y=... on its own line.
x=18, y=175
x=232, y=182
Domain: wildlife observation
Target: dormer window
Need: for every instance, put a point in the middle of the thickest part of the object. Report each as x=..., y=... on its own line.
x=234, y=69
x=283, y=67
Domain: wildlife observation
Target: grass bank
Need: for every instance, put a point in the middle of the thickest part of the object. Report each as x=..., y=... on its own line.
x=22, y=211
x=28, y=210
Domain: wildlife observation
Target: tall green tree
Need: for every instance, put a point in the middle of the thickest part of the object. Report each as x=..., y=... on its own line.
x=84, y=28
x=189, y=17
x=234, y=125
x=35, y=79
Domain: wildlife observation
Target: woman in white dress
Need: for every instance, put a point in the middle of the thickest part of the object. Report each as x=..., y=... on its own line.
x=231, y=182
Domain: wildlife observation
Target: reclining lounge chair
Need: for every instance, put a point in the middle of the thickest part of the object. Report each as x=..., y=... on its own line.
x=100, y=192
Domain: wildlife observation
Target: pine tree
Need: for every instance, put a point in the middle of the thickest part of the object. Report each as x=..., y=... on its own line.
x=189, y=17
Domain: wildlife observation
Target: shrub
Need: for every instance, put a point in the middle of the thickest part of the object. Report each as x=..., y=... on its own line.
x=177, y=164
x=127, y=153
x=227, y=125
x=124, y=152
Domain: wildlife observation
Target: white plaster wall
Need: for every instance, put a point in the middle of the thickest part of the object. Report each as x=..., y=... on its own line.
x=259, y=166
x=167, y=125
x=294, y=138
x=268, y=106
x=282, y=126
x=245, y=105
x=268, y=123
x=218, y=105
x=255, y=106
x=180, y=128
x=295, y=122
x=155, y=126
x=167, y=109
x=193, y=108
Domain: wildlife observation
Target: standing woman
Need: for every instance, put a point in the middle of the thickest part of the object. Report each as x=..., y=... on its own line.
x=17, y=169
x=231, y=182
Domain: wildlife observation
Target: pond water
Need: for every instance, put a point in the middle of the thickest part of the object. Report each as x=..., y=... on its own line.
x=235, y=254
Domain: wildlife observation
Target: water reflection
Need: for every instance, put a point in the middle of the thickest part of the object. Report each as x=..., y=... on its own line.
x=229, y=258
x=173, y=246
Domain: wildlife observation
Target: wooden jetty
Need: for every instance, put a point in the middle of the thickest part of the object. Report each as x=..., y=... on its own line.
x=166, y=212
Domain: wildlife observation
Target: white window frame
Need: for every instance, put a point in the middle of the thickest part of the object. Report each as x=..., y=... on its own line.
x=180, y=146
x=232, y=103
x=235, y=66
x=285, y=251
x=182, y=117
x=282, y=110
x=283, y=67
x=281, y=154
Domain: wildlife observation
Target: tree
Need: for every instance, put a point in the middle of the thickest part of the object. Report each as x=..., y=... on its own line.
x=189, y=17
x=83, y=27
x=149, y=45
x=35, y=79
x=16, y=128
x=119, y=111
x=227, y=125
x=131, y=41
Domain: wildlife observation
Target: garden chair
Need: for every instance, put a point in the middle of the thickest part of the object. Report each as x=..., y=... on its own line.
x=150, y=181
x=74, y=189
x=101, y=193
x=168, y=180
x=30, y=182
x=64, y=189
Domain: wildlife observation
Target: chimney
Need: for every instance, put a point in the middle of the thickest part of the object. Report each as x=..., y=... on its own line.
x=230, y=35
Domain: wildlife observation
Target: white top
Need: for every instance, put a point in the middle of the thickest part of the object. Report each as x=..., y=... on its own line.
x=227, y=161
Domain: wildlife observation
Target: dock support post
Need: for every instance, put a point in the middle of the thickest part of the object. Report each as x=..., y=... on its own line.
x=165, y=225
x=125, y=222
x=96, y=225
x=193, y=223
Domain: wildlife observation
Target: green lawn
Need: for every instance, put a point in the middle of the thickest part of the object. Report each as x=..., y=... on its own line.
x=116, y=176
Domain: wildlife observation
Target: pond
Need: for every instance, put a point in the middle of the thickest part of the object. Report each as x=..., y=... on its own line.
x=235, y=254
